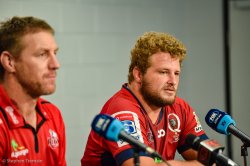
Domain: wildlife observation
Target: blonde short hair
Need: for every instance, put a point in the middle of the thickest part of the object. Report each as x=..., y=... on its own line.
x=150, y=43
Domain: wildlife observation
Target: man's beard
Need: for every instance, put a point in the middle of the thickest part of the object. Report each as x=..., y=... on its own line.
x=153, y=97
x=33, y=88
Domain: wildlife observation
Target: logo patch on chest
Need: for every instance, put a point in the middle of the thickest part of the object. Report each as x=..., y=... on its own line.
x=131, y=123
x=174, y=122
x=18, y=149
x=174, y=127
x=150, y=136
x=53, y=140
x=161, y=133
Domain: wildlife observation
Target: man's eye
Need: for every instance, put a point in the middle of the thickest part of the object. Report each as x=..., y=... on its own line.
x=163, y=72
x=177, y=74
x=43, y=54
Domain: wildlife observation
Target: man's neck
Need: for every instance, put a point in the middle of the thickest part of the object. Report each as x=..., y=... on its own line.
x=152, y=110
x=25, y=104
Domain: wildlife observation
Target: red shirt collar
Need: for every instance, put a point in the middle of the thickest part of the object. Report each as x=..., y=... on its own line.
x=11, y=113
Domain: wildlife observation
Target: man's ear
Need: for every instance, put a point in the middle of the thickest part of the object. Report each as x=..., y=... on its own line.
x=137, y=75
x=7, y=61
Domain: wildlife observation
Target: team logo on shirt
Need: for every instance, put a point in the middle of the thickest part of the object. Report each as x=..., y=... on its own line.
x=10, y=111
x=174, y=122
x=161, y=133
x=131, y=124
x=18, y=149
x=198, y=127
x=150, y=136
x=174, y=126
x=53, y=139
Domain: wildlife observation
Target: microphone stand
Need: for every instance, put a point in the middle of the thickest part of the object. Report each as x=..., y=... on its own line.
x=136, y=156
x=244, y=153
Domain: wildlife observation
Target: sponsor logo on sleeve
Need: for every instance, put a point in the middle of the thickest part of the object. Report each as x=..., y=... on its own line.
x=198, y=126
x=131, y=124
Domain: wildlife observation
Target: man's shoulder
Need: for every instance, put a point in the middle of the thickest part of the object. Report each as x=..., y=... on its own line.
x=121, y=101
x=50, y=108
x=180, y=105
x=45, y=103
x=180, y=101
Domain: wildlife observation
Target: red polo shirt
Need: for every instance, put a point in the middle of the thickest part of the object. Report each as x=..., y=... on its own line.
x=21, y=144
x=166, y=136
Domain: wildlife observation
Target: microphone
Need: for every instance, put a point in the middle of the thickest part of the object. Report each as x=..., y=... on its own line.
x=224, y=124
x=209, y=151
x=113, y=130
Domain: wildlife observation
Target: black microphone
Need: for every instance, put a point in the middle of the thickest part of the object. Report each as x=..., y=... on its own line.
x=224, y=124
x=112, y=129
x=209, y=151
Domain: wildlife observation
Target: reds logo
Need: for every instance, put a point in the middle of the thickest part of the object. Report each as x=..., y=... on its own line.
x=174, y=123
x=174, y=126
x=53, y=139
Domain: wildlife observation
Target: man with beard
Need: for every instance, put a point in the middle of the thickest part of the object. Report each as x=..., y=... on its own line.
x=149, y=108
x=32, y=129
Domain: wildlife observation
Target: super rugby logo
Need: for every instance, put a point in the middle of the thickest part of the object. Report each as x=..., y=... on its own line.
x=53, y=139
x=129, y=127
x=131, y=124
